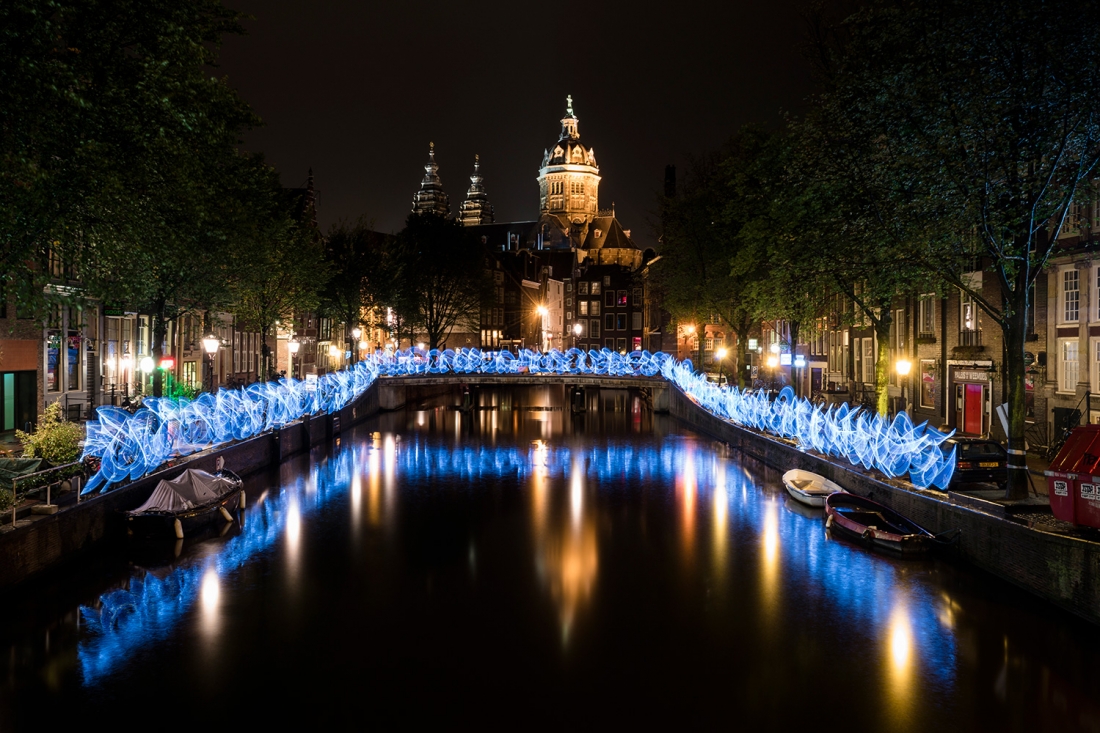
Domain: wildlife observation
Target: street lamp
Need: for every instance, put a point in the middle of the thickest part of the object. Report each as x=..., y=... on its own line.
x=292, y=346
x=719, y=355
x=903, y=367
x=576, y=333
x=355, y=334
x=210, y=344
x=543, y=312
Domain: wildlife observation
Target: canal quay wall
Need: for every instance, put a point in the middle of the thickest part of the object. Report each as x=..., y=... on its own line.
x=34, y=547
x=1063, y=570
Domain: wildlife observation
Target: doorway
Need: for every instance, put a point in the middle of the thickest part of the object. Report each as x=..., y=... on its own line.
x=18, y=395
x=970, y=408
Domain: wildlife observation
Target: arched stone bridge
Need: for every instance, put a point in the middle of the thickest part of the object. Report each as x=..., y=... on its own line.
x=396, y=392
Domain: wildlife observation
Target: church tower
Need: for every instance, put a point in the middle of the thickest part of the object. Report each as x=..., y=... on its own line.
x=476, y=209
x=431, y=198
x=569, y=178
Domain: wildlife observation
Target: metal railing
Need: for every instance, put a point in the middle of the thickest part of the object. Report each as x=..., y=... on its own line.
x=970, y=338
x=45, y=482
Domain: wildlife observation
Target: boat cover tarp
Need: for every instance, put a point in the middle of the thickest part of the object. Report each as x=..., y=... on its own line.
x=14, y=467
x=191, y=488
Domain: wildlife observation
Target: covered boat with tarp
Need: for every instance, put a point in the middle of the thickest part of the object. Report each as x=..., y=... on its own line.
x=13, y=468
x=187, y=503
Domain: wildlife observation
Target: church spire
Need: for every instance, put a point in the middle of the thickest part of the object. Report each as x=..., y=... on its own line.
x=569, y=122
x=476, y=209
x=431, y=198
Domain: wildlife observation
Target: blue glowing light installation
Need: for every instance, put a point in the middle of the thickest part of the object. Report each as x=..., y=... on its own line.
x=132, y=445
x=894, y=447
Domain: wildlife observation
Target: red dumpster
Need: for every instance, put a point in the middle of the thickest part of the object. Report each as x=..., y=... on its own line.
x=1073, y=478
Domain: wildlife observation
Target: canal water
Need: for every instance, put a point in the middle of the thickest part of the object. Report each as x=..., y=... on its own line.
x=521, y=566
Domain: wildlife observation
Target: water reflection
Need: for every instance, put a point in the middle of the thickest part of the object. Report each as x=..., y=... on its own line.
x=607, y=542
x=900, y=664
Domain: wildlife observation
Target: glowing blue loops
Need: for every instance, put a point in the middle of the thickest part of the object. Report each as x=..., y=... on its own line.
x=130, y=446
x=893, y=447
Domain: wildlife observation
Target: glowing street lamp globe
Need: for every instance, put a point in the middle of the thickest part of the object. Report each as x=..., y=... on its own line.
x=903, y=366
x=362, y=345
x=292, y=346
x=721, y=354
x=356, y=332
x=211, y=343
x=773, y=362
x=577, y=328
x=542, y=310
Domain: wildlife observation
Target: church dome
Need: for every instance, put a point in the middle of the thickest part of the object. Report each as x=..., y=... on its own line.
x=569, y=150
x=569, y=177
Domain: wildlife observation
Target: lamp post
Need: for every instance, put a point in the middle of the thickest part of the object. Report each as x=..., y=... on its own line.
x=690, y=331
x=355, y=334
x=719, y=355
x=210, y=344
x=292, y=347
x=542, y=311
x=903, y=367
x=772, y=362
x=576, y=333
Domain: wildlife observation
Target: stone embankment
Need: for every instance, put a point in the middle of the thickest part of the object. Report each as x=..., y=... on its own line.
x=50, y=541
x=1058, y=567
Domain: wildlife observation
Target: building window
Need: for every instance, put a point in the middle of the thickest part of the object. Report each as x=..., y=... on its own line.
x=189, y=374
x=609, y=299
x=622, y=298
x=594, y=308
x=609, y=322
x=1071, y=296
x=899, y=330
x=868, y=361
x=1070, y=366
x=594, y=328
x=620, y=322
x=584, y=329
x=1094, y=371
x=582, y=307
x=927, y=383
x=637, y=343
x=596, y=288
x=636, y=321
x=969, y=318
x=607, y=281
x=637, y=296
x=621, y=345
x=926, y=316
x=708, y=343
x=582, y=288
x=569, y=315
x=609, y=344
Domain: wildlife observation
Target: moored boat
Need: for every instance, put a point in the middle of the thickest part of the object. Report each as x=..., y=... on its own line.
x=190, y=502
x=878, y=526
x=809, y=488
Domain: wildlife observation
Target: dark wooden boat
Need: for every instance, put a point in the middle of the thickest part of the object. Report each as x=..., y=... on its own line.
x=187, y=504
x=878, y=527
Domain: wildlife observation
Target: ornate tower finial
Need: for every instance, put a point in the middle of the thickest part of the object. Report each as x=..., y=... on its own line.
x=476, y=209
x=431, y=198
x=569, y=104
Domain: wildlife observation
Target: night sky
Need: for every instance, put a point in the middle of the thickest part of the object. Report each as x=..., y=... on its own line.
x=356, y=90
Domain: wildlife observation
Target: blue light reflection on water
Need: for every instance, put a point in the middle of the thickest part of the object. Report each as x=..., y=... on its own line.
x=864, y=591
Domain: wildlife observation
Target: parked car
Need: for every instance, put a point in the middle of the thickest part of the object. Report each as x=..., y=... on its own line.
x=977, y=460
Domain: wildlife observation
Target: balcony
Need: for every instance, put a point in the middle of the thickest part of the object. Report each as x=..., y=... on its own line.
x=970, y=338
